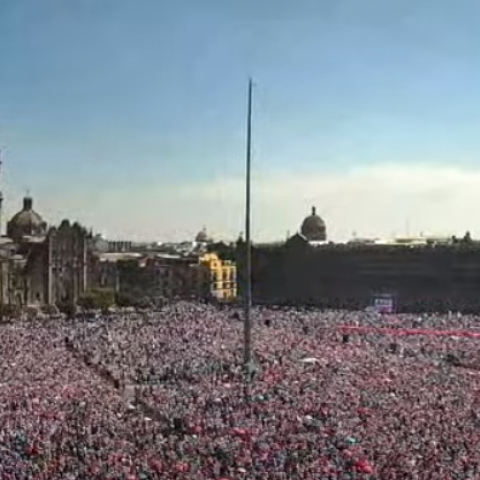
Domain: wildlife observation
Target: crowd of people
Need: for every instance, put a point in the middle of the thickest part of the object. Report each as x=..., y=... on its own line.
x=162, y=395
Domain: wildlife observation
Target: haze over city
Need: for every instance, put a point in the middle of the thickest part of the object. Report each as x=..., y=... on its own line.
x=130, y=116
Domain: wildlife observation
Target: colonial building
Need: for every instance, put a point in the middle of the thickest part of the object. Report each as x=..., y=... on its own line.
x=222, y=277
x=159, y=276
x=44, y=265
x=419, y=274
x=313, y=228
x=69, y=263
x=26, y=223
x=202, y=237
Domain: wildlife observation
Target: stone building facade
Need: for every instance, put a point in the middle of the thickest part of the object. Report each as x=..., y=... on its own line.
x=42, y=265
x=428, y=276
x=67, y=263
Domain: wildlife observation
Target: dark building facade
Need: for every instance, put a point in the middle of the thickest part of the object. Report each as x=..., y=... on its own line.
x=313, y=228
x=421, y=278
x=306, y=270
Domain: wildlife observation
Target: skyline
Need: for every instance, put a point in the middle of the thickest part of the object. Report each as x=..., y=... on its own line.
x=131, y=119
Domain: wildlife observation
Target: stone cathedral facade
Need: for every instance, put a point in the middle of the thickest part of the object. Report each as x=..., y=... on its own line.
x=41, y=264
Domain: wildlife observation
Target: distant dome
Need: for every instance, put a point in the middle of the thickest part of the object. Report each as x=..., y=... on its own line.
x=27, y=222
x=202, y=236
x=313, y=228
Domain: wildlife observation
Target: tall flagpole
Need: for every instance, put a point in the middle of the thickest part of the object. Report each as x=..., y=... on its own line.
x=1, y=193
x=248, y=277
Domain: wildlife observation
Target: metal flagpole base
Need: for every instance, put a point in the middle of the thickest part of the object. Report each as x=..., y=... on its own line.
x=250, y=371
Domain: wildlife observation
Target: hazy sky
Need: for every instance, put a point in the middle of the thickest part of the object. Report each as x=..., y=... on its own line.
x=129, y=115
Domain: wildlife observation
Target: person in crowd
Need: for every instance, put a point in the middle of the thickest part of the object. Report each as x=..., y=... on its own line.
x=161, y=396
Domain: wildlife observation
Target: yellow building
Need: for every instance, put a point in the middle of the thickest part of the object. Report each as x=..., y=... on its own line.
x=223, y=276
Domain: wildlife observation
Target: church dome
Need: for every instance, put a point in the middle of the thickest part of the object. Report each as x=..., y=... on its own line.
x=27, y=222
x=202, y=236
x=313, y=228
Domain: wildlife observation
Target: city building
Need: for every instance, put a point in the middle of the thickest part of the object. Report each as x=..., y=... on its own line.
x=222, y=276
x=157, y=277
x=43, y=265
x=27, y=223
x=119, y=246
x=420, y=274
x=68, y=263
x=313, y=228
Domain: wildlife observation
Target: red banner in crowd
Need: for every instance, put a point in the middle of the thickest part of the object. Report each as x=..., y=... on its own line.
x=403, y=332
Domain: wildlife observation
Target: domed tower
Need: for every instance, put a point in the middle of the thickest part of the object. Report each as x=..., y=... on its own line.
x=202, y=236
x=313, y=228
x=26, y=223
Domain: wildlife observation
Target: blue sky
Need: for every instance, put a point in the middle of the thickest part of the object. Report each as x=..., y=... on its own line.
x=130, y=115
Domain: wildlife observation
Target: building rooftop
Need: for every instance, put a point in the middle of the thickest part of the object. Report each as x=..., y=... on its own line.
x=114, y=257
x=168, y=256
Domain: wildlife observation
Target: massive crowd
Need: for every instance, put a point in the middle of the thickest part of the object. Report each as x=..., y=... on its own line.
x=161, y=396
